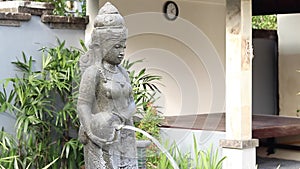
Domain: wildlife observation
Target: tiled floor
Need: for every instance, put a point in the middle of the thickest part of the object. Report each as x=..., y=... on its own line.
x=280, y=153
x=275, y=163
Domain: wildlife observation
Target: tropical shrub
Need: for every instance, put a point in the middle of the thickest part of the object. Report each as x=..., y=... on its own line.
x=147, y=116
x=44, y=104
x=202, y=159
x=62, y=7
x=268, y=22
x=144, y=87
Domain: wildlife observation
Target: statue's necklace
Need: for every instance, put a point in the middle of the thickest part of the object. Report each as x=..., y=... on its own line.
x=106, y=78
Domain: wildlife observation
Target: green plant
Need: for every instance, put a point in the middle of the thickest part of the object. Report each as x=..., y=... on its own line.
x=268, y=22
x=149, y=118
x=43, y=102
x=60, y=7
x=208, y=159
x=143, y=85
x=144, y=90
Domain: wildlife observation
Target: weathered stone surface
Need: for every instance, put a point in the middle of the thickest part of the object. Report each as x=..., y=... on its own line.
x=15, y=16
x=65, y=19
x=22, y=11
x=67, y=26
x=39, y=5
x=65, y=22
x=12, y=10
x=239, y=144
x=105, y=99
x=34, y=8
x=13, y=23
x=34, y=11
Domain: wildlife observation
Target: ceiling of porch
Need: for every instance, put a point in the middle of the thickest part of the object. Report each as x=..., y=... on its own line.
x=265, y=7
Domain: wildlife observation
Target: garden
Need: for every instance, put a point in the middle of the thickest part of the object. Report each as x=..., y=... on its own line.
x=43, y=102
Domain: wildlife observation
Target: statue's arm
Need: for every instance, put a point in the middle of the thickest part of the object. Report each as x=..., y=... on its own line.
x=85, y=105
x=86, y=98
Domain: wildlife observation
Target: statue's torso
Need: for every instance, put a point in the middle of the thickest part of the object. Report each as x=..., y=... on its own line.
x=113, y=92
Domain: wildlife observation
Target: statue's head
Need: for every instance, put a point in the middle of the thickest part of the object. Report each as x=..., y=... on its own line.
x=109, y=29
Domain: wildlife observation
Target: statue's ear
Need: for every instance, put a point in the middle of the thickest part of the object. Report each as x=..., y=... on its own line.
x=86, y=60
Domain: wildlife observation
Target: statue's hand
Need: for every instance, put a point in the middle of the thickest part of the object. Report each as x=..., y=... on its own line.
x=99, y=141
x=82, y=136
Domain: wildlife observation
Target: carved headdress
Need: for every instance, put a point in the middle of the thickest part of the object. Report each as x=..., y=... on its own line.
x=109, y=28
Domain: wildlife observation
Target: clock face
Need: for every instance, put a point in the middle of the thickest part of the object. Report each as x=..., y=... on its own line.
x=171, y=10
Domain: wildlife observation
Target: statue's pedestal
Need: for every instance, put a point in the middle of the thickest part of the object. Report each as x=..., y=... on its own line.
x=141, y=152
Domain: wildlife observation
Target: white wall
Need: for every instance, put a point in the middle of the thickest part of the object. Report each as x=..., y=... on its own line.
x=189, y=53
x=30, y=37
x=289, y=63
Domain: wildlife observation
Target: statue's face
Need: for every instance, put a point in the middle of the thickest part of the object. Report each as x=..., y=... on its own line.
x=115, y=53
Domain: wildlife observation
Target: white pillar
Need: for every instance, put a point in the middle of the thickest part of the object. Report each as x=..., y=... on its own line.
x=239, y=147
x=92, y=7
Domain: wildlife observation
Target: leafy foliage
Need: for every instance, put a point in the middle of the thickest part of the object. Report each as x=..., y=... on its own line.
x=143, y=84
x=60, y=7
x=44, y=105
x=268, y=22
x=144, y=90
x=203, y=159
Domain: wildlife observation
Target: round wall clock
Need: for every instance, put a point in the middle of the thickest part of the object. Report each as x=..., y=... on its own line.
x=170, y=10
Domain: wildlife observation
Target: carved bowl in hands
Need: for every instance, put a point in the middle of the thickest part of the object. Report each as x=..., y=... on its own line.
x=103, y=125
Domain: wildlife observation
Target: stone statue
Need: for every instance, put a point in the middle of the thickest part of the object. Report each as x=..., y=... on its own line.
x=105, y=96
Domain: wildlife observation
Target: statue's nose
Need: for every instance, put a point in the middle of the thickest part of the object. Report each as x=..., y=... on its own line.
x=121, y=54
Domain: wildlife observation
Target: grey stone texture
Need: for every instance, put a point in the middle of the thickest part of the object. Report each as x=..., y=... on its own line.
x=105, y=99
x=239, y=144
x=13, y=12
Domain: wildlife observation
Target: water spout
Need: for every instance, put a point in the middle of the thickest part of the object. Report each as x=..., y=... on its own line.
x=155, y=141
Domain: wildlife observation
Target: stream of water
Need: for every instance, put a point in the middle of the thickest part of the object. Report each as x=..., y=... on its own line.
x=155, y=141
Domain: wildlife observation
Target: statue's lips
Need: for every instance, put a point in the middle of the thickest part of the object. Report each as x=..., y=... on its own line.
x=120, y=57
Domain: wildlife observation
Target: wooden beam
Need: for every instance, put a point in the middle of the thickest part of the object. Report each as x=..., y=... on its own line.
x=263, y=126
x=267, y=7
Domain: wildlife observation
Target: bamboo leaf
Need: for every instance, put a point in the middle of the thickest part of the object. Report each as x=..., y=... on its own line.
x=49, y=165
x=83, y=45
x=16, y=163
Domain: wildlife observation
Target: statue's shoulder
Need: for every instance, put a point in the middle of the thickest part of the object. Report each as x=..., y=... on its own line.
x=124, y=72
x=86, y=60
x=90, y=72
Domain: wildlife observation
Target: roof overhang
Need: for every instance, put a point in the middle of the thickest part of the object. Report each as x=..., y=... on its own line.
x=267, y=7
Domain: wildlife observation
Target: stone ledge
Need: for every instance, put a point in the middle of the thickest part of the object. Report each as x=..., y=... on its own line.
x=13, y=19
x=65, y=22
x=34, y=8
x=13, y=23
x=13, y=12
x=65, y=19
x=15, y=16
x=239, y=144
x=34, y=11
x=39, y=5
